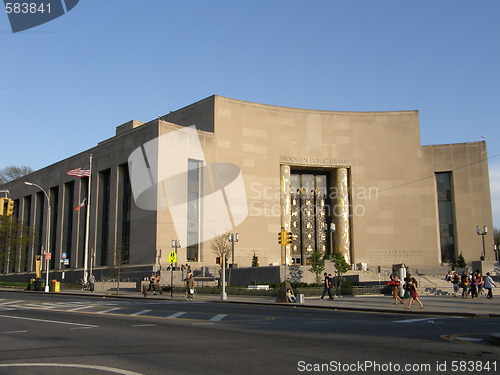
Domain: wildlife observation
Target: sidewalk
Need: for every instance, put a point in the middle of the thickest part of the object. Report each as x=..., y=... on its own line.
x=433, y=305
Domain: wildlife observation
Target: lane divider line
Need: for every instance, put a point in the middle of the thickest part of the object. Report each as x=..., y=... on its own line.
x=140, y=312
x=176, y=315
x=218, y=317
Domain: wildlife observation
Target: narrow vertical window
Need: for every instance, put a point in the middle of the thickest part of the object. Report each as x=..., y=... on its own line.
x=104, y=195
x=446, y=216
x=193, y=210
x=126, y=210
x=68, y=218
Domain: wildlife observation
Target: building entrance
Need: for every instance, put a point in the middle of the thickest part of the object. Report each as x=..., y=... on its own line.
x=310, y=215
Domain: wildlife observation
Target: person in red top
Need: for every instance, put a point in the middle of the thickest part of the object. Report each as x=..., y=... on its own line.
x=412, y=287
x=395, y=284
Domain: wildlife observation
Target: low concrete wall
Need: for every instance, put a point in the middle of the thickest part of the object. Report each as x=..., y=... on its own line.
x=105, y=286
x=274, y=274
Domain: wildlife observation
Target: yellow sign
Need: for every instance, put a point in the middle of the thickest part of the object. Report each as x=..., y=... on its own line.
x=172, y=257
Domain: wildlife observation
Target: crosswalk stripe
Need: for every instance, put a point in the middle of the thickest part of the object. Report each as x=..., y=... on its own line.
x=218, y=317
x=176, y=315
x=140, y=312
x=80, y=308
x=108, y=310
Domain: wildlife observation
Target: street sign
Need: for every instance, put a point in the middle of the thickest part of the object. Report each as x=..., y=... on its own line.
x=172, y=257
x=48, y=256
x=64, y=256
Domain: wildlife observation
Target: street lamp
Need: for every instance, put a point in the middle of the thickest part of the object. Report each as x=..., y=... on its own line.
x=233, y=238
x=176, y=244
x=331, y=231
x=47, y=236
x=482, y=233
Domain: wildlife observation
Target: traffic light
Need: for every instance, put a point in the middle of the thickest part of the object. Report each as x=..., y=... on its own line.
x=289, y=238
x=282, y=237
x=9, y=210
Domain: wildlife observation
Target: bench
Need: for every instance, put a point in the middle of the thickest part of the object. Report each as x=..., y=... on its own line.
x=258, y=287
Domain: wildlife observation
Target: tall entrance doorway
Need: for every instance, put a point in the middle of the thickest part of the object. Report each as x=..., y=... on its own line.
x=310, y=215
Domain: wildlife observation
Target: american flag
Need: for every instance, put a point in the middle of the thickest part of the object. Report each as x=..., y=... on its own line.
x=80, y=172
x=84, y=203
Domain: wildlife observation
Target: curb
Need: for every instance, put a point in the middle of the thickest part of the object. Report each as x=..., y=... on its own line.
x=265, y=303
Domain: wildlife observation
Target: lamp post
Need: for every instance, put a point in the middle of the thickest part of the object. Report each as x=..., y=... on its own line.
x=176, y=244
x=482, y=233
x=223, y=295
x=331, y=231
x=233, y=238
x=47, y=236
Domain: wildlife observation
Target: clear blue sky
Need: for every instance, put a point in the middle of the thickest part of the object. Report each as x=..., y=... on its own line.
x=66, y=84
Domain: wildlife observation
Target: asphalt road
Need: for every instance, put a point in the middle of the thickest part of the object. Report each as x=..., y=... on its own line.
x=52, y=334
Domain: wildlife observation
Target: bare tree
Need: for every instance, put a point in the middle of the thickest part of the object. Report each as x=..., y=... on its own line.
x=221, y=247
x=12, y=172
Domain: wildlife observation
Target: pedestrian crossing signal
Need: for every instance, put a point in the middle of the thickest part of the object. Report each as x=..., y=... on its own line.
x=6, y=207
x=10, y=207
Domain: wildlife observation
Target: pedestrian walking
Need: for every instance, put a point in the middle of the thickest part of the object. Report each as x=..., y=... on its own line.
x=91, y=282
x=412, y=285
x=189, y=287
x=327, y=287
x=474, y=282
x=464, y=283
x=395, y=284
x=157, y=284
x=489, y=285
x=456, y=283
x=152, y=281
x=480, y=283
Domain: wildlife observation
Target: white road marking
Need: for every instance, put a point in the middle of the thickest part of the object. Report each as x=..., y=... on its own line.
x=71, y=365
x=140, y=312
x=143, y=325
x=11, y=302
x=81, y=308
x=108, y=310
x=15, y=332
x=176, y=315
x=48, y=321
x=427, y=320
x=468, y=339
x=218, y=317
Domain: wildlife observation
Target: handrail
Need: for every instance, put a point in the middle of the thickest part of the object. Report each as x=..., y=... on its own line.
x=432, y=282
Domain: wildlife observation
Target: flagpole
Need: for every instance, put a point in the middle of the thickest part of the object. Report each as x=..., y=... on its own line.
x=87, y=229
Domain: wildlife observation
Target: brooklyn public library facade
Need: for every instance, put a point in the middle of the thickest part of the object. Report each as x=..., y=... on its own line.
x=355, y=182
